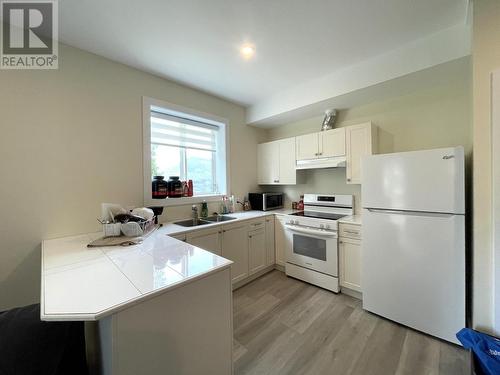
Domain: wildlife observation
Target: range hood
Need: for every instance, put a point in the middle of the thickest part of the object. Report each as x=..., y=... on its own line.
x=333, y=162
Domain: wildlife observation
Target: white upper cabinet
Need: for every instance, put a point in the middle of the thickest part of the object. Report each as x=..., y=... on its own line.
x=279, y=161
x=332, y=143
x=268, y=162
x=287, y=172
x=326, y=144
x=276, y=162
x=307, y=146
x=360, y=140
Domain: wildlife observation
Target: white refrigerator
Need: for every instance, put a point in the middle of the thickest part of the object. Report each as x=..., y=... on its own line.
x=413, y=248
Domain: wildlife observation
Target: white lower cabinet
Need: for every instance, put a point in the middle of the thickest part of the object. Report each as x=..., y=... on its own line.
x=280, y=240
x=235, y=248
x=207, y=239
x=270, y=247
x=180, y=237
x=350, y=257
x=257, y=254
x=250, y=244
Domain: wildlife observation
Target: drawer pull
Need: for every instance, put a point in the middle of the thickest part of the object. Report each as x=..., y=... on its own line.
x=351, y=231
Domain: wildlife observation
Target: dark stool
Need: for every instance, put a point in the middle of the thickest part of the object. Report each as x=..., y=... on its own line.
x=30, y=346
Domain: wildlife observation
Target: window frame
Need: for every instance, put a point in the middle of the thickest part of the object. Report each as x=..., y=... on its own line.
x=223, y=180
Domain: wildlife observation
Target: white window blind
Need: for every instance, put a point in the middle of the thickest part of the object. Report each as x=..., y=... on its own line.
x=175, y=131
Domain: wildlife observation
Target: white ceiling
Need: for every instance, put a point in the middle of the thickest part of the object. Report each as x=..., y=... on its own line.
x=196, y=42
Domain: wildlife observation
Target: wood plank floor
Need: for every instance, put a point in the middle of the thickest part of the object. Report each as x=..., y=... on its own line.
x=285, y=326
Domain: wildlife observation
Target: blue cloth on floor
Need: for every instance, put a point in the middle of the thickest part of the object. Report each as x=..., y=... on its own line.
x=486, y=349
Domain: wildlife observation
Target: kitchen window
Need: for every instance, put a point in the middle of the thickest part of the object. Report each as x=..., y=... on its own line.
x=185, y=143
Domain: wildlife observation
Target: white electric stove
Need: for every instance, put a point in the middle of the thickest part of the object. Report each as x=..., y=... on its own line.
x=312, y=251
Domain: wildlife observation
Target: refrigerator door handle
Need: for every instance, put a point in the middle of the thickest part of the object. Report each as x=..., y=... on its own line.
x=413, y=213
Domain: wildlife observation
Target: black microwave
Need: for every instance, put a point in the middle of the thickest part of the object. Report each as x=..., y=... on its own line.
x=265, y=201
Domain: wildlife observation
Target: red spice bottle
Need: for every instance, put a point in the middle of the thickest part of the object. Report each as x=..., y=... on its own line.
x=300, y=205
x=190, y=188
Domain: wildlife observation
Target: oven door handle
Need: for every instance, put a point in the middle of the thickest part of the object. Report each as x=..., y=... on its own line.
x=313, y=232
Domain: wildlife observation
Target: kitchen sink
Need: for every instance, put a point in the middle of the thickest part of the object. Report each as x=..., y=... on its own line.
x=192, y=223
x=218, y=218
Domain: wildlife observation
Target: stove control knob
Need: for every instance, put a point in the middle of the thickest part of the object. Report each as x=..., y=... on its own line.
x=327, y=227
x=321, y=226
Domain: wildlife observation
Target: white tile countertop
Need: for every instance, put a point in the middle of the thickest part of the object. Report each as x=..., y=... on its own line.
x=354, y=219
x=80, y=283
x=171, y=228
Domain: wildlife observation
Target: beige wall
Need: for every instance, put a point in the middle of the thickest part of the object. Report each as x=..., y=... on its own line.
x=437, y=117
x=71, y=139
x=486, y=58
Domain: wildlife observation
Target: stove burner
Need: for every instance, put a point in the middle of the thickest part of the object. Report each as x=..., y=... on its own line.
x=318, y=215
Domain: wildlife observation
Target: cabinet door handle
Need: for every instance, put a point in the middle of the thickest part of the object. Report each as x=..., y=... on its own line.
x=276, y=181
x=249, y=236
x=348, y=180
x=351, y=231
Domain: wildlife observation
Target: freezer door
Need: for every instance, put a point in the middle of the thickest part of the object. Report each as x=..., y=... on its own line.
x=413, y=270
x=429, y=180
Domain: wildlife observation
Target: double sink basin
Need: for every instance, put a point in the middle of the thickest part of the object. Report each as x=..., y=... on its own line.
x=204, y=221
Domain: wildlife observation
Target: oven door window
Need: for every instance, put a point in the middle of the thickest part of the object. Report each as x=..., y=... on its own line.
x=309, y=247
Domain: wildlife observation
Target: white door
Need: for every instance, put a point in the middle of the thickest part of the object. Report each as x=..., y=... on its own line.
x=270, y=250
x=257, y=252
x=307, y=146
x=207, y=239
x=268, y=163
x=287, y=172
x=413, y=270
x=332, y=143
x=429, y=180
x=235, y=248
x=350, y=263
x=359, y=144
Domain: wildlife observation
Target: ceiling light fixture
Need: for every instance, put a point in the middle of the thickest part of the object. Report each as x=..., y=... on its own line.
x=247, y=51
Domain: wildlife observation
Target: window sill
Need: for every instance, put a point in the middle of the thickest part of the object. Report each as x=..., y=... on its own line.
x=184, y=201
